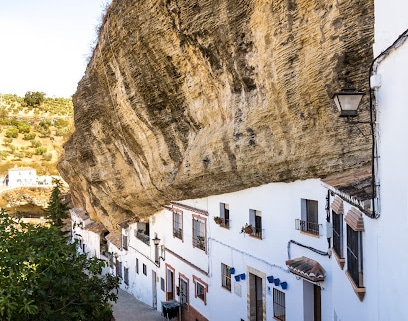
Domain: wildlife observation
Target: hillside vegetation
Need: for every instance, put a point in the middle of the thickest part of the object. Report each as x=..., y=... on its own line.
x=32, y=131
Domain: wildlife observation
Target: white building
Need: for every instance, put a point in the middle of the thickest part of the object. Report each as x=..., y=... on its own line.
x=318, y=251
x=21, y=176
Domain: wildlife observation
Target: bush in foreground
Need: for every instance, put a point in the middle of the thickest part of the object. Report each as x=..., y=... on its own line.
x=42, y=277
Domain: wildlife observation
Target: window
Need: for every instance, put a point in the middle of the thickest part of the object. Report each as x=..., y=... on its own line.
x=119, y=268
x=144, y=269
x=137, y=265
x=355, y=256
x=225, y=276
x=124, y=242
x=201, y=289
x=162, y=284
x=224, y=214
x=177, y=225
x=337, y=234
x=183, y=291
x=309, y=217
x=255, y=219
x=111, y=265
x=126, y=276
x=279, y=305
x=199, y=240
x=143, y=232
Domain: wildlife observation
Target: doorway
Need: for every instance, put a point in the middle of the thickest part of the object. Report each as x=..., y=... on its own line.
x=154, y=289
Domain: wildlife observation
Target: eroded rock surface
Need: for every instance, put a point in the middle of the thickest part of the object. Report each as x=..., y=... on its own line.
x=189, y=98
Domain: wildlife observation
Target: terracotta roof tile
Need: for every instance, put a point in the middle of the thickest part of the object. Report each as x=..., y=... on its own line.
x=96, y=227
x=354, y=219
x=307, y=268
x=115, y=239
x=356, y=183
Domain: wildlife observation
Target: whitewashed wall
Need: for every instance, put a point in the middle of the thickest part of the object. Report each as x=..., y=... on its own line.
x=391, y=21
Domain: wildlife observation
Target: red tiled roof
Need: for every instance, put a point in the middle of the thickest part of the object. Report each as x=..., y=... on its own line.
x=306, y=268
x=354, y=219
x=337, y=205
x=96, y=227
x=190, y=208
x=115, y=239
x=356, y=183
x=80, y=213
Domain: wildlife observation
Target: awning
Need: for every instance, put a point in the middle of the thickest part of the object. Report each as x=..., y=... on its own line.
x=337, y=206
x=307, y=268
x=354, y=219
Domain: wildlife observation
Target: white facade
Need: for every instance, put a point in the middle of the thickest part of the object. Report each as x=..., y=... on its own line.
x=22, y=176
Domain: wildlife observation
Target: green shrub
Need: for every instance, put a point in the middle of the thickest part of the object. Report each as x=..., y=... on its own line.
x=29, y=136
x=29, y=154
x=47, y=156
x=18, y=154
x=12, y=132
x=8, y=140
x=35, y=143
x=40, y=150
x=23, y=127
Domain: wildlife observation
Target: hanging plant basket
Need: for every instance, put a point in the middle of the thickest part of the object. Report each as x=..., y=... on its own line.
x=247, y=229
x=217, y=220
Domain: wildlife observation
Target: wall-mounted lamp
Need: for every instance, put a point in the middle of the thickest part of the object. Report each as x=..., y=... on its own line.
x=347, y=101
x=157, y=257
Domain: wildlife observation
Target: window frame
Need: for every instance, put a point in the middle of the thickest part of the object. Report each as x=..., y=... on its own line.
x=177, y=224
x=183, y=278
x=198, y=284
x=225, y=215
x=309, y=219
x=226, y=277
x=199, y=232
x=144, y=268
x=125, y=242
x=137, y=266
x=338, y=235
x=279, y=304
x=126, y=275
x=255, y=219
x=355, y=256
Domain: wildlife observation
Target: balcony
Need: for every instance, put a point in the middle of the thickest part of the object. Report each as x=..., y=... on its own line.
x=308, y=227
x=178, y=233
x=199, y=242
x=140, y=234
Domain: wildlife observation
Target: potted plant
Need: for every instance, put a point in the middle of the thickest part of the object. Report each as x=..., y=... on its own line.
x=247, y=229
x=217, y=219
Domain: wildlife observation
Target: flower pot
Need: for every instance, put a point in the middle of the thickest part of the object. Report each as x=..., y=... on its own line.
x=237, y=277
x=270, y=278
x=243, y=276
x=232, y=270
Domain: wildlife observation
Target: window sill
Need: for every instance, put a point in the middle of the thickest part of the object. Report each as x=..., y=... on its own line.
x=359, y=291
x=310, y=234
x=225, y=288
x=340, y=261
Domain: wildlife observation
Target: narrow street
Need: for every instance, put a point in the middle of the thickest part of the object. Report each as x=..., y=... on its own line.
x=127, y=308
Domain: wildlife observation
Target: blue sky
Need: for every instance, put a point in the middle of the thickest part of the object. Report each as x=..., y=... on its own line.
x=44, y=44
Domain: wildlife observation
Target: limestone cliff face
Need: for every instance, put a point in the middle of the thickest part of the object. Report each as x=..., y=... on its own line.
x=189, y=98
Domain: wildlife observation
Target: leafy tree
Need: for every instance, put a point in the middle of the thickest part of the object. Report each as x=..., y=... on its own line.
x=34, y=99
x=42, y=277
x=56, y=210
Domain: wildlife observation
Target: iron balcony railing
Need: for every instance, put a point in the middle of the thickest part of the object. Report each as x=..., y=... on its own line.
x=199, y=242
x=308, y=227
x=143, y=237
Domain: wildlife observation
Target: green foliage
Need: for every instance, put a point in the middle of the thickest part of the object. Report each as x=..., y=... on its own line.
x=56, y=210
x=8, y=140
x=60, y=123
x=36, y=143
x=12, y=132
x=29, y=136
x=40, y=150
x=47, y=156
x=34, y=99
x=23, y=127
x=42, y=277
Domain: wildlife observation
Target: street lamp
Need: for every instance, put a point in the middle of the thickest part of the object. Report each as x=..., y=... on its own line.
x=347, y=101
x=156, y=242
